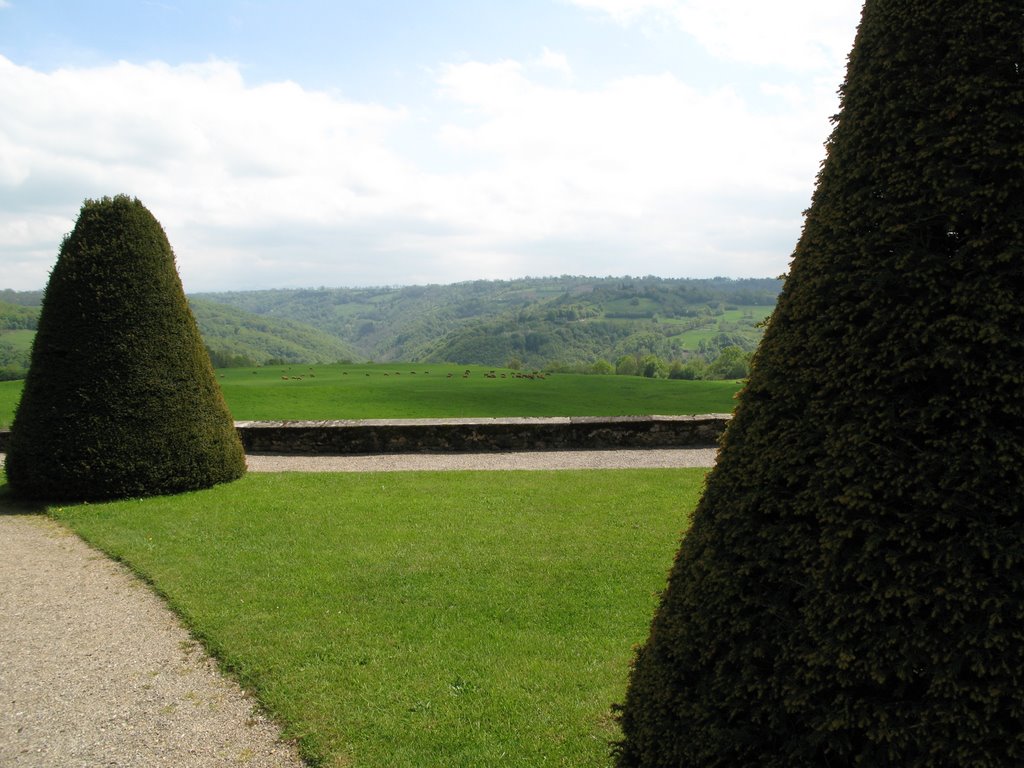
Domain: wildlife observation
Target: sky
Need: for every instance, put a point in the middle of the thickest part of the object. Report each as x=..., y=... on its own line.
x=352, y=143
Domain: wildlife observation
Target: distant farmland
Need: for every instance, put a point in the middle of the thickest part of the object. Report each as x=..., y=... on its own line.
x=402, y=390
x=445, y=391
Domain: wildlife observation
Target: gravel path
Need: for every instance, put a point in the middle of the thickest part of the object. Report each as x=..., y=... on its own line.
x=95, y=670
x=403, y=462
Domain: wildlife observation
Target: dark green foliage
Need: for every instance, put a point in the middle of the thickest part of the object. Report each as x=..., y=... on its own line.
x=851, y=592
x=120, y=399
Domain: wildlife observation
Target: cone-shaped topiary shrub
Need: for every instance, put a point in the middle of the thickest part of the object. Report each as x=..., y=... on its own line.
x=851, y=590
x=120, y=398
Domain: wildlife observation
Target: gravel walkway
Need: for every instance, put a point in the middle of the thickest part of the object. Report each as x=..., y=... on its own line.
x=666, y=458
x=95, y=670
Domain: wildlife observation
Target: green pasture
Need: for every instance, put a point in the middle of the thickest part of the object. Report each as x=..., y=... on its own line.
x=424, y=618
x=691, y=339
x=751, y=314
x=10, y=393
x=441, y=391
x=20, y=340
x=631, y=307
x=742, y=320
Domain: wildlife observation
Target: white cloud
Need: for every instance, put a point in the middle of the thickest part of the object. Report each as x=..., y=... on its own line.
x=199, y=147
x=556, y=62
x=798, y=35
x=529, y=173
x=625, y=11
x=648, y=164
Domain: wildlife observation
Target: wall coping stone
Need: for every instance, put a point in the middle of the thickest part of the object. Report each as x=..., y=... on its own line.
x=517, y=420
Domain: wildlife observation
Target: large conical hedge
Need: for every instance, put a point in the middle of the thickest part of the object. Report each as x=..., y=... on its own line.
x=851, y=590
x=120, y=398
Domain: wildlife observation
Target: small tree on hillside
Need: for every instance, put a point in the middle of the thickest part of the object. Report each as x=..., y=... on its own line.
x=120, y=398
x=851, y=590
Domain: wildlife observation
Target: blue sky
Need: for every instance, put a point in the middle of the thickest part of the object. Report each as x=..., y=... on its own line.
x=384, y=142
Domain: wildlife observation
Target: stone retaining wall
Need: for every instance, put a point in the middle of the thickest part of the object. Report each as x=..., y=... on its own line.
x=372, y=436
x=480, y=435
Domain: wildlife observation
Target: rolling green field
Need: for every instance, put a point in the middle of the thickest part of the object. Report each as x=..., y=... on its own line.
x=731, y=321
x=411, y=619
x=20, y=340
x=438, y=391
x=441, y=391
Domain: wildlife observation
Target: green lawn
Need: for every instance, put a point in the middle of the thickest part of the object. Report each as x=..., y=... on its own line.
x=413, y=619
x=10, y=393
x=426, y=391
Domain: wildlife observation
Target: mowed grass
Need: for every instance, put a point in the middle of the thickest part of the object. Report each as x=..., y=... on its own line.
x=445, y=391
x=414, y=619
x=404, y=391
x=10, y=393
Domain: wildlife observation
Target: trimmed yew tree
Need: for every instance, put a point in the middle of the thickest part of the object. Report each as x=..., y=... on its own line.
x=851, y=591
x=120, y=398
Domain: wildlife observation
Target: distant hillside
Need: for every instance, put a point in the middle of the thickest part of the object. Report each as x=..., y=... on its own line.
x=233, y=337
x=21, y=298
x=538, y=321
x=564, y=322
x=17, y=329
x=238, y=338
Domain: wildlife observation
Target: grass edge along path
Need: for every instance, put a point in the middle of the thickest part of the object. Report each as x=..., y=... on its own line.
x=424, y=618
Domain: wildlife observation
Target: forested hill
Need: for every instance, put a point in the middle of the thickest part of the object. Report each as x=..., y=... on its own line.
x=233, y=337
x=539, y=322
x=568, y=322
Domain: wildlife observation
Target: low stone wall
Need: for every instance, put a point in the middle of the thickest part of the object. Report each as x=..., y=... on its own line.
x=372, y=436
